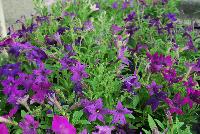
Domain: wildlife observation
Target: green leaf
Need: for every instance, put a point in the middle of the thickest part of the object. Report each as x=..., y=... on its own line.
x=160, y=124
x=76, y=116
x=146, y=132
x=152, y=123
x=23, y=113
x=84, y=122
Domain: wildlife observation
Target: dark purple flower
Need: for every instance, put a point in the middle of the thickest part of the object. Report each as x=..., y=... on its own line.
x=115, y=5
x=29, y=125
x=10, y=85
x=131, y=29
x=193, y=95
x=157, y=62
x=169, y=28
x=131, y=82
x=78, y=72
x=104, y=130
x=119, y=114
x=10, y=69
x=175, y=104
x=190, y=46
x=190, y=83
x=171, y=76
x=96, y=111
x=61, y=125
x=6, y=42
x=156, y=95
x=171, y=17
x=130, y=17
x=36, y=54
x=88, y=26
x=61, y=30
x=67, y=62
x=50, y=40
x=116, y=29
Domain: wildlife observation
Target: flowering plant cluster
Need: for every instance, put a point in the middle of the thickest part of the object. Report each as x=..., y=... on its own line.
x=100, y=67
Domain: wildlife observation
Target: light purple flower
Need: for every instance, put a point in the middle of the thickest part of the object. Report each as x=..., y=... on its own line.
x=116, y=29
x=88, y=26
x=104, y=129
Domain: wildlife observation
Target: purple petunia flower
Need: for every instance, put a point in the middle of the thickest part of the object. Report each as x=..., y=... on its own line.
x=157, y=62
x=104, y=130
x=121, y=55
x=84, y=131
x=119, y=112
x=67, y=62
x=195, y=67
x=115, y=5
x=57, y=38
x=156, y=95
x=88, y=26
x=10, y=85
x=50, y=40
x=193, y=95
x=78, y=72
x=29, y=125
x=131, y=29
x=116, y=29
x=131, y=82
x=171, y=76
x=96, y=111
x=3, y=128
x=125, y=5
x=61, y=125
x=171, y=17
x=190, y=83
x=10, y=69
x=36, y=54
x=175, y=104
x=130, y=17
x=41, y=71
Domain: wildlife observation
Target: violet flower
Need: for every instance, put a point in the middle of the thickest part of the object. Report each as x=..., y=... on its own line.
x=9, y=85
x=190, y=83
x=96, y=111
x=57, y=38
x=121, y=55
x=194, y=67
x=78, y=72
x=171, y=17
x=156, y=95
x=131, y=82
x=115, y=5
x=104, y=130
x=119, y=114
x=67, y=62
x=175, y=104
x=3, y=128
x=116, y=29
x=29, y=125
x=171, y=76
x=10, y=69
x=130, y=17
x=157, y=62
x=125, y=5
x=61, y=125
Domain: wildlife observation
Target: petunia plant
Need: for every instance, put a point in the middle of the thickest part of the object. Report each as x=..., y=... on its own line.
x=100, y=67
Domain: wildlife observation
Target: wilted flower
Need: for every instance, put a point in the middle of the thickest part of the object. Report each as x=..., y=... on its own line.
x=29, y=125
x=119, y=114
x=61, y=125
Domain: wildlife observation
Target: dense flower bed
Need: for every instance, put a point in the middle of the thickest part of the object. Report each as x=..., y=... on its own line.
x=100, y=67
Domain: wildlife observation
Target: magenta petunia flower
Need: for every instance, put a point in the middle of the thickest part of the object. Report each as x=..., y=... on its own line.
x=29, y=125
x=119, y=114
x=3, y=129
x=61, y=125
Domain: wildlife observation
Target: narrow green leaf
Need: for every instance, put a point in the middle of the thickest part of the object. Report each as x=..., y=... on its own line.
x=152, y=123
